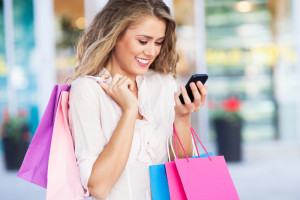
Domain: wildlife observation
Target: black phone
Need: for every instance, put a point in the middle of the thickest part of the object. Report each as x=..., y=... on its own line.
x=195, y=78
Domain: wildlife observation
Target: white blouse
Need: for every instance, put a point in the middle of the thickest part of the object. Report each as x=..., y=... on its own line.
x=93, y=116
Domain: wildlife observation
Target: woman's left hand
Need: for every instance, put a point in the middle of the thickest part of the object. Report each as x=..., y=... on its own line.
x=182, y=121
x=184, y=110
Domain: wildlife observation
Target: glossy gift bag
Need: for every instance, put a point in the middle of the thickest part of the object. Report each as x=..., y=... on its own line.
x=158, y=176
x=159, y=181
x=199, y=178
x=63, y=171
x=35, y=164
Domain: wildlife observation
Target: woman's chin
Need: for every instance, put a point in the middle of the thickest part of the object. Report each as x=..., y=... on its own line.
x=142, y=70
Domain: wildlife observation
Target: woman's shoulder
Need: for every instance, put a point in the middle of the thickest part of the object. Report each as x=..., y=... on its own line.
x=85, y=85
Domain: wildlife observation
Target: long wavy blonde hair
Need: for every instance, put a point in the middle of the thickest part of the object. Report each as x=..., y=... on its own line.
x=96, y=45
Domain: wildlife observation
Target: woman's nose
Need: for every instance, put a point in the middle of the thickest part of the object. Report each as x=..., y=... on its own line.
x=150, y=50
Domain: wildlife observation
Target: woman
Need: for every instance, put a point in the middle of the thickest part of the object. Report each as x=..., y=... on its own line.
x=121, y=127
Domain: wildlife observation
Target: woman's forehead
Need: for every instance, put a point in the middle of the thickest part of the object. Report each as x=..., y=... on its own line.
x=149, y=26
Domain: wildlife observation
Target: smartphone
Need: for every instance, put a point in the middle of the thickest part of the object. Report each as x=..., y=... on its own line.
x=195, y=78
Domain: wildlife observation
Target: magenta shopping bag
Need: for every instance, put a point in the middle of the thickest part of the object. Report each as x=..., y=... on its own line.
x=174, y=182
x=35, y=164
x=199, y=178
x=63, y=171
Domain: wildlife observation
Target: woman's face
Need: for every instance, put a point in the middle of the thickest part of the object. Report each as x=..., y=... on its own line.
x=138, y=47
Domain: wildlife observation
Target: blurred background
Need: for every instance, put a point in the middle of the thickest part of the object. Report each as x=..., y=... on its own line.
x=249, y=49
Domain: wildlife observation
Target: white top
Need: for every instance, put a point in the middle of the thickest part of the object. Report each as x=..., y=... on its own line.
x=93, y=116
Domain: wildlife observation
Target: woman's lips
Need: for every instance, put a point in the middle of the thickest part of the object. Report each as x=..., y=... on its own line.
x=142, y=62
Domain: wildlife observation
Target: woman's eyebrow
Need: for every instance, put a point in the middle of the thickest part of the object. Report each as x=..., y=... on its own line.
x=149, y=37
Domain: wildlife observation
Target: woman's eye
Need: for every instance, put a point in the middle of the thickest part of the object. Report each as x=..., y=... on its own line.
x=143, y=42
x=159, y=43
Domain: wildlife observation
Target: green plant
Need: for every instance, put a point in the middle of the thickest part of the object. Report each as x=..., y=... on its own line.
x=15, y=138
x=15, y=128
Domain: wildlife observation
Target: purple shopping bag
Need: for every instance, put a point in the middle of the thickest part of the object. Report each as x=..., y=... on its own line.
x=63, y=180
x=35, y=164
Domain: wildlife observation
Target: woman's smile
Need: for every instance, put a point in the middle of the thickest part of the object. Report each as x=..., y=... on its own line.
x=142, y=62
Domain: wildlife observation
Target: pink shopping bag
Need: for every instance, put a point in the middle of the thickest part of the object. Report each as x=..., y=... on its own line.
x=63, y=171
x=174, y=182
x=199, y=178
x=35, y=164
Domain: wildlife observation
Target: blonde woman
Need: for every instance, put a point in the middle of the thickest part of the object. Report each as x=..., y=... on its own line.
x=121, y=123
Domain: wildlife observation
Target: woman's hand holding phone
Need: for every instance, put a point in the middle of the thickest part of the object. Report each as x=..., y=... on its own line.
x=194, y=79
x=192, y=96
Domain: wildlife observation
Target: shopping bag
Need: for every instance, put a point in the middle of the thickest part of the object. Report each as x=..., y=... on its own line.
x=35, y=164
x=201, y=178
x=158, y=177
x=159, y=182
x=63, y=171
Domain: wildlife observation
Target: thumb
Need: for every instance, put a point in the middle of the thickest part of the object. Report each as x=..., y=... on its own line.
x=131, y=86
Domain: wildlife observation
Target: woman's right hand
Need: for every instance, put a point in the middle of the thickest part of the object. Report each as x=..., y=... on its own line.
x=120, y=90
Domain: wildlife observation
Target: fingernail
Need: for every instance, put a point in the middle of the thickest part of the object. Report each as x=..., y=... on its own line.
x=105, y=76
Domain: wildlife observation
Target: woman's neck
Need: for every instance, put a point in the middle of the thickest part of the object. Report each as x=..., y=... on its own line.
x=112, y=73
x=117, y=70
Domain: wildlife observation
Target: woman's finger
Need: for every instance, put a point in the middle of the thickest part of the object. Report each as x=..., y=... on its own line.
x=104, y=76
x=127, y=82
x=185, y=95
x=179, y=106
x=203, y=91
x=189, y=106
x=121, y=81
x=115, y=79
x=196, y=94
x=177, y=99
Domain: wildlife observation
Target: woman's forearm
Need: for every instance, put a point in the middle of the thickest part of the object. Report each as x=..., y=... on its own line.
x=183, y=130
x=111, y=162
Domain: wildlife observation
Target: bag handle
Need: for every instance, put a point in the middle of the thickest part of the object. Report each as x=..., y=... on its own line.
x=193, y=133
x=168, y=149
x=170, y=146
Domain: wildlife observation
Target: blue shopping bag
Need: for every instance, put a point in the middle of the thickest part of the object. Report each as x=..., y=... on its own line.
x=159, y=181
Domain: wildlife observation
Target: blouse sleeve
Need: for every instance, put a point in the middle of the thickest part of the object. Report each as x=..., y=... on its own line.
x=84, y=120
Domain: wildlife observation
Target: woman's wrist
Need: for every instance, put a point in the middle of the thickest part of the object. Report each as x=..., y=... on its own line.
x=182, y=120
x=130, y=112
x=182, y=128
